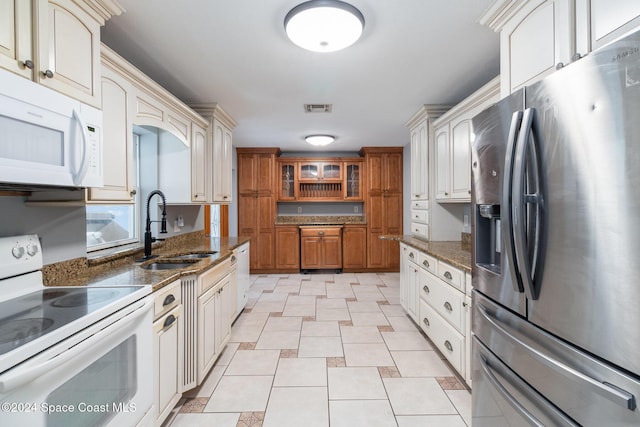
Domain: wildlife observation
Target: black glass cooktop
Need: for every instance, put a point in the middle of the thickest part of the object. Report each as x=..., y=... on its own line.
x=28, y=317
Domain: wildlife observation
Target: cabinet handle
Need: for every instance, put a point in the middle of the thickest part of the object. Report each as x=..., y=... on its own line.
x=225, y=197
x=559, y=65
x=320, y=233
x=425, y=288
x=576, y=56
x=133, y=193
x=447, y=306
x=27, y=64
x=425, y=321
x=169, y=321
x=448, y=345
x=233, y=258
x=448, y=275
x=411, y=255
x=425, y=263
x=48, y=74
x=446, y=194
x=168, y=300
x=469, y=191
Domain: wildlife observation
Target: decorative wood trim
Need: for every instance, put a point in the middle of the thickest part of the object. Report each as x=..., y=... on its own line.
x=216, y=111
x=489, y=90
x=500, y=12
x=427, y=111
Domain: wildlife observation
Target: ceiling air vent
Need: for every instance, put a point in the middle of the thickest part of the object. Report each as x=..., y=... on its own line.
x=317, y=108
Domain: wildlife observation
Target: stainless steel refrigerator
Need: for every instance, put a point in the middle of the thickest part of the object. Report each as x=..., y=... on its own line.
x=556, y=257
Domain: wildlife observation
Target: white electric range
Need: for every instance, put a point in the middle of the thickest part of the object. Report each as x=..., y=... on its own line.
x=70, y=355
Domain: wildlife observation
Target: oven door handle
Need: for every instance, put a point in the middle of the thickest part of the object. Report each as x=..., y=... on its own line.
x=18, y=376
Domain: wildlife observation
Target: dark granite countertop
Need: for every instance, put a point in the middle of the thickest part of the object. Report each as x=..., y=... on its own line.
x=121, y=269
x=451, y=252
x=321, y=220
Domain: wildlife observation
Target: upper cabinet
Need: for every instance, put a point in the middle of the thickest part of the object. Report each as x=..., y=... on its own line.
x=219, y=160
x=421, y=130
x=56, y=43
x=539, y=36
x=453, y=139
x=303, y=179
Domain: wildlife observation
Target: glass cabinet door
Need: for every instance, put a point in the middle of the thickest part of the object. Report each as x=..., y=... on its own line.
x=332, y=171
x=309, y=171
x=287, y=181
x=353, y=189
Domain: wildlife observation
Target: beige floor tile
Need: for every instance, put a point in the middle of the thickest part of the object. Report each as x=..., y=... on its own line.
x=331, y=303
x=273, y=297
x=369, y=319
x=367, y=355
x=283, y=324
x=363, y=307
x=367, y=294
x=339, y=290
x=313, y=288
x=430, y=421
x=402, y=323
x=345, y=278
x=301, y=372
x=462, y=401
x=405, y=340
x=351, y=383
x=240, y=394
x=245, y=334
x=288, y=282
x=369, y=279
x=209, y=384
x=320, y=347
x=420, y=364
x=268, y=306
x=299, y=310
x=361, y=335
x=286, y=289
x=332, y=314
x=227, y=354
x=206, y=420
x=326, y=328
x=253, y=362
x=278, y=340
x=252, y=319
x=361, y=413
x=301, y=300
x=408, y=397
x=393, y=310
x=297, y=406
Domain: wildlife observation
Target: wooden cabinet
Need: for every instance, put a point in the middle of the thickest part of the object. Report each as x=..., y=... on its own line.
x=287, y=248
x=354, y=174
x=218, y=157
x=453, y=139
x=539, y=36
x=55, y=43
x=257, y=204
x=320, y=247
x=354, y=248
x=383, y=206
x=320, y=171
x=288, y=182
x=168, y=345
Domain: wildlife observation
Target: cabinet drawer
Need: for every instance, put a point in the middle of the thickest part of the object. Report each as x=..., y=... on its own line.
x=420, y=230
x=166, y=298
x=420, y=216
x=420, y=205
x=447, y=339
x=451, y=275
x=209, y=278
x=428, y=262
x=442, y=298
x=320, y=231
x=413, y=254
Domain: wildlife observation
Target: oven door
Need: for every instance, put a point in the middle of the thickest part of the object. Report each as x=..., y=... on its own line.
x=100, y=376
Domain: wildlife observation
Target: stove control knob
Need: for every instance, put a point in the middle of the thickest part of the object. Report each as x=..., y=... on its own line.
x=18, y=252
x=32, y=249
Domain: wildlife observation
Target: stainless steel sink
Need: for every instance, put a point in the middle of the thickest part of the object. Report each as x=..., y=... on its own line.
x=160, y=265
x=197, y=255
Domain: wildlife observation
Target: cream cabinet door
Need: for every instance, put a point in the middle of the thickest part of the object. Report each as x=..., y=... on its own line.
x=419, y=163
x=611, y=19
x=199, y=160
x=117, y=137
x=460, y=160
x=534, y=42
x=69, y=50
x=168, y=359
x=221, y=163
x=443, y=186
x=16, y=37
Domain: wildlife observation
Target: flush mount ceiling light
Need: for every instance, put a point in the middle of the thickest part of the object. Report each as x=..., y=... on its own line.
x=324, y=25
x=319, y=139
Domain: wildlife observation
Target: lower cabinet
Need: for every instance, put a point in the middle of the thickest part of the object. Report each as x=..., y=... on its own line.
x=288, y=248
x=168, y=350
x=432, y=293
x=320, y=248
x=354, y=248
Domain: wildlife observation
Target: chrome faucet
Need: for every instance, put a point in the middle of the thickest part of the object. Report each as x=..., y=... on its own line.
x=148, y=239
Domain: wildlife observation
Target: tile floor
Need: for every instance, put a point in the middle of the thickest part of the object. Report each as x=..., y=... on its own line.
x=326, y=350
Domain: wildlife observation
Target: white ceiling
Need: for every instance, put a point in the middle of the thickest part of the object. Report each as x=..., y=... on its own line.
x=236, y=53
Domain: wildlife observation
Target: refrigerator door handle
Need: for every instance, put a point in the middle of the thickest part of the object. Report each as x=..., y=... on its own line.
x=507, y=220
x=609, y=391
x=527, y=262
x=505, y=393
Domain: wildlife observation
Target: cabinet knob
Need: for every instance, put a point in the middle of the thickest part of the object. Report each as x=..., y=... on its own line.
x=559, y=65
x=446, y=194
x=133, y=193
x=320, y=233
x=448, y=275
x=447, y=306
x=425, y=321
x=27, y=64
x=425, y=288
x=411, y=255
x=448, y=345
x=425, y=263
x=576, y=56
x=48, y=74
x=225, y=197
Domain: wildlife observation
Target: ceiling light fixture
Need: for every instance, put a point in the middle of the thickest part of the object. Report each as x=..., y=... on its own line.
x=319, y=139
x=324, y=25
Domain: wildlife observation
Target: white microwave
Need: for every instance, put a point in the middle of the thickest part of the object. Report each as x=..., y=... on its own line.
x=47, y=138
